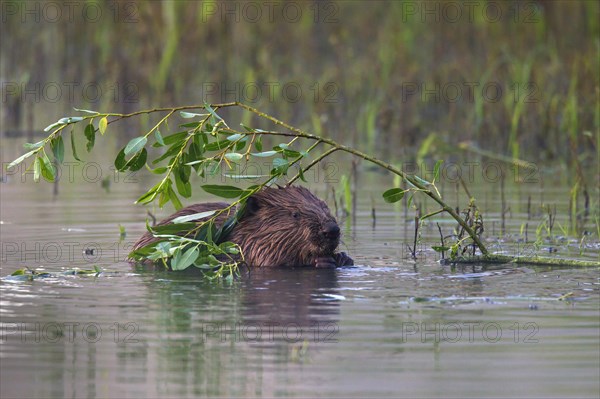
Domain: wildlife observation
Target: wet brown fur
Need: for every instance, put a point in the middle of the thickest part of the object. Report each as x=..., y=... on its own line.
x=280, y=227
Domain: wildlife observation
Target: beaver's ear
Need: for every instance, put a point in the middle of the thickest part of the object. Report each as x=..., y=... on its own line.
x=252, y=206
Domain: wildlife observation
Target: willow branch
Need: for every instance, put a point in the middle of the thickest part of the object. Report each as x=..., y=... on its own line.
x=411, y=179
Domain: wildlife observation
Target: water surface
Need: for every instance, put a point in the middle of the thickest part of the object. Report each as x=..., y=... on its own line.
x=387, y=327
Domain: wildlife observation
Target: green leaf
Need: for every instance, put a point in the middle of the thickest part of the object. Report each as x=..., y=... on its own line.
x=249, y=177
x=182, y=261
x=174, y=149
x=198, y=162
x=223, y=190
x=229, y=224
x=184, y=187
x=393, y=195
x=241, y=144
x=138, y=161
x=292, y=153
x=264, y=154
x=194, y=155
x=191, y=125
x=212, y=167
x=174, y=199
x=149, y=195
x=234, y=156
x=52, y=126
x=184, y=172
x=157, y=171
x=48, y=171
x=171, y=228
x=195, y=216
x=422, y=181
x=203, y=263
x=102, y=125
x=173, y=138
x=175, y=259
x=229, y=247
x=301, y=175
x=247, y=128
x=206, y=232
x=217, y=145
x=29, y=146
x=188, y=115
x=439, y=248
x=36, y=170
x=85, y=110
x=90, y=134
x=212, y=112
x=70, y=119
x=280, y=166
x=258, y=144
x=454, y=250
x=58, y=148
x=135, y=145
x=20, y=159
x=235, y=137
x=159, y=138
x=120, y=161
x=74, y=147
x=195, y=151
x=164, y=197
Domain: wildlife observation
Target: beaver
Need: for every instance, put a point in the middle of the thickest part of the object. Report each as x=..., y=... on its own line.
x=284, y=226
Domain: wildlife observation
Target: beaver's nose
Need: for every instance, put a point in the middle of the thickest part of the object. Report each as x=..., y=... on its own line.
x=331, y=231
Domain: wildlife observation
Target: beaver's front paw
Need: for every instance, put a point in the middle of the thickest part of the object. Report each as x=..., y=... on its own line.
x=326, y=262
x=342, y=259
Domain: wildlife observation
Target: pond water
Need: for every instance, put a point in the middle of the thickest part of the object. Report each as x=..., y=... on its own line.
x=387, y=327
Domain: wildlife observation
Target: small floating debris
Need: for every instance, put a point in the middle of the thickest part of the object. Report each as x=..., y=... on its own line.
x=565, y=296
x=27, y=274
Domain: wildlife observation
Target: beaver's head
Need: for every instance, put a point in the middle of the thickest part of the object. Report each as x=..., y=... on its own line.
x=286, y=226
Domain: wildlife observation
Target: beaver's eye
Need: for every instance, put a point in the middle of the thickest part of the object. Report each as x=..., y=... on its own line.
x=296, y=215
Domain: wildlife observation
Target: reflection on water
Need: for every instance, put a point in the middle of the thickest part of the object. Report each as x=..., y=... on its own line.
x=360, y=331
x=389, y=327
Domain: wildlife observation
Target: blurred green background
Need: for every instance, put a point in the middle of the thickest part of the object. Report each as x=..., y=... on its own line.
x=398, y=79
